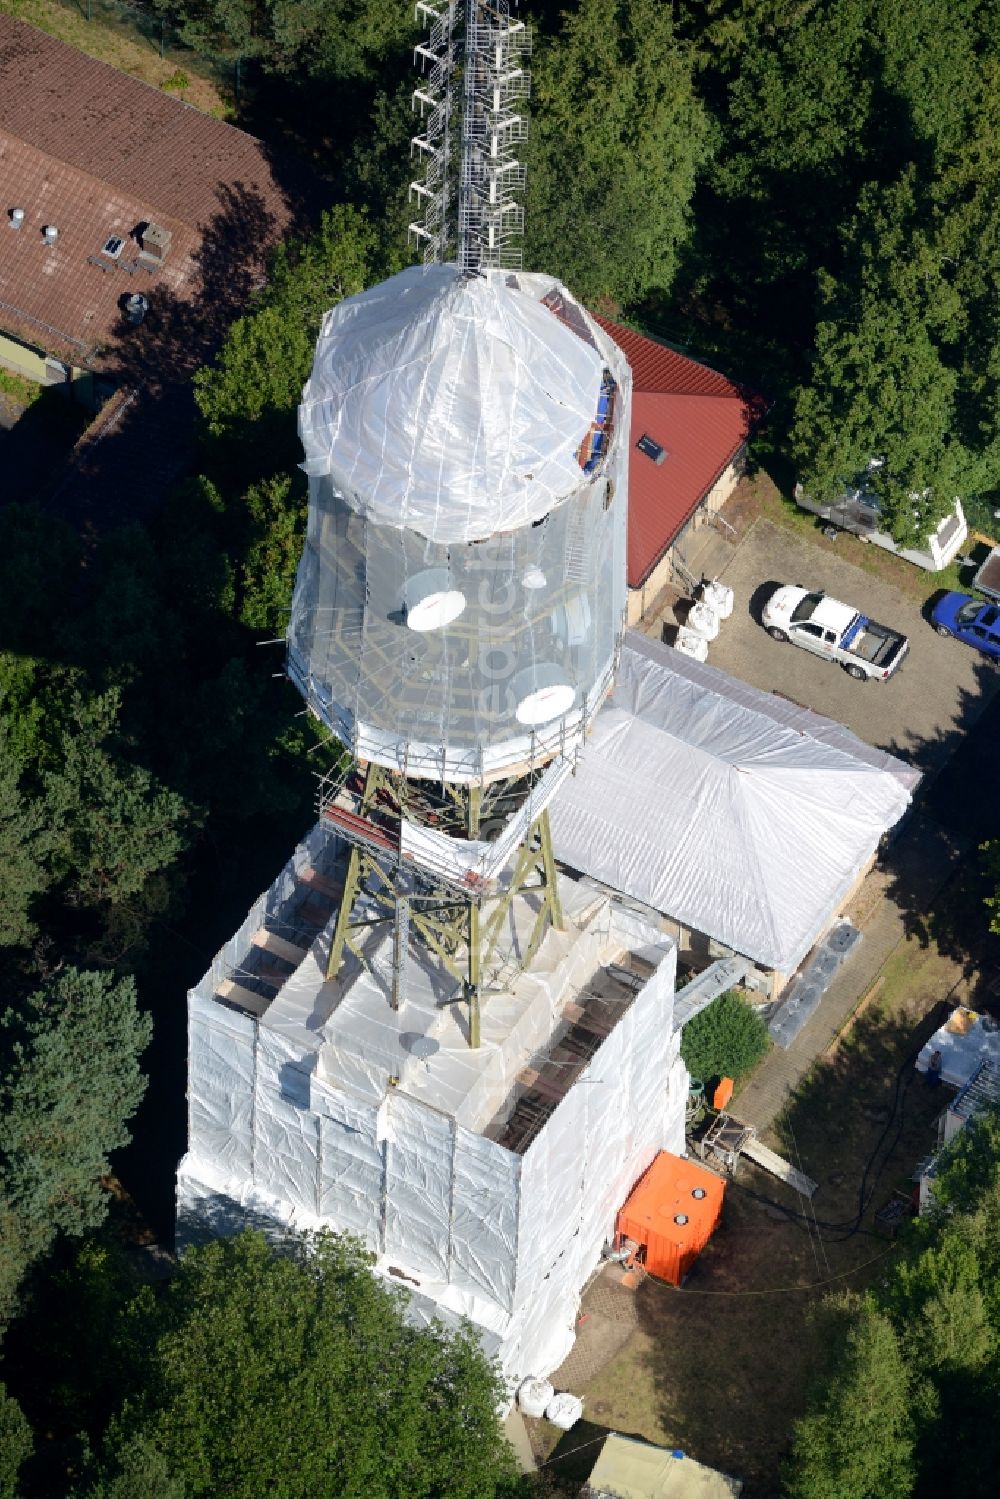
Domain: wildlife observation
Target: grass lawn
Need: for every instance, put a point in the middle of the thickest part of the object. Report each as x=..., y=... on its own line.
x=773, y=500
x=112, y=36
x=20, y=390
x=720, y=1368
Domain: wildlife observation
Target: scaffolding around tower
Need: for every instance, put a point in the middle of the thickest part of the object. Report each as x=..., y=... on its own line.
x=484, y=1182
x=459, y=609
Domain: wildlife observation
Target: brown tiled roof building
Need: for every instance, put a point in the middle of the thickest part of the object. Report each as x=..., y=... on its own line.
x=96, y=154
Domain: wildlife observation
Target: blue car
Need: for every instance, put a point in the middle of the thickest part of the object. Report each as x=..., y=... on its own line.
x=970, y=620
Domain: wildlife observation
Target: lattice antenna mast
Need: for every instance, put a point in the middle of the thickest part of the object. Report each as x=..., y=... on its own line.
x=433, y=100
x=487, y=229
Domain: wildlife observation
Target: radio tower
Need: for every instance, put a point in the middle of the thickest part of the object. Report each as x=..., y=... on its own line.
x=485, y=233
x=460, y=603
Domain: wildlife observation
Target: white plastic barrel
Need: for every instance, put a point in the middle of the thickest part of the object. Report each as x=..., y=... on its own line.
x=534, y=1395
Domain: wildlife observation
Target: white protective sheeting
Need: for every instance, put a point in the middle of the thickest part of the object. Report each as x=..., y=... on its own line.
x=453, y=406
x=726, y=808
x=964, y=1041
x=323, y=1113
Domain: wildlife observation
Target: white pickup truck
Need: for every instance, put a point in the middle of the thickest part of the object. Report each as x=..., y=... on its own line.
x=835, y=631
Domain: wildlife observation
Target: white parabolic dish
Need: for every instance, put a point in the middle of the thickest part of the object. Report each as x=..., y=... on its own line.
x=436, y=611
x=545, y=703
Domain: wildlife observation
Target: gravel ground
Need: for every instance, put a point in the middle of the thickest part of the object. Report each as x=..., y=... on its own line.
x=919, y=713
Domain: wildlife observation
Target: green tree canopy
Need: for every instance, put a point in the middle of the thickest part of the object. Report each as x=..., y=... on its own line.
x=616, y=138
x=881, y=386
x=69, y=1083
x=248, y=397
x=726, y=1039
x=859, y=1442
x=16, y=1444
x=906, y=1402
x=295, y=1375
x=24, y=844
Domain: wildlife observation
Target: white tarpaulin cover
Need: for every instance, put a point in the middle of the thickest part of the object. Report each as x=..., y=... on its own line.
x=454, y=406
x=964, y=1041
x=333, y=1110
x=730, y=810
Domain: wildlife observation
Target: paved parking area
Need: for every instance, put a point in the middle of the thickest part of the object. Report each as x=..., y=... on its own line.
x=919, y=714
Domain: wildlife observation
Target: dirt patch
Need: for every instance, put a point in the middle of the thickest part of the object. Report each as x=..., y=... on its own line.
x=721, y=1366
x=747, y=502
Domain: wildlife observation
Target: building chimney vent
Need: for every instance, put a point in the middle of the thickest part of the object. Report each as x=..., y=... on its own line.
x=50, y=234
x=16, y=217
x=136, y=307
x=155, y=243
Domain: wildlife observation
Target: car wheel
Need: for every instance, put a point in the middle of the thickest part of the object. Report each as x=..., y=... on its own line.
x=776, y=634
x=857, y=672
x=942, y=629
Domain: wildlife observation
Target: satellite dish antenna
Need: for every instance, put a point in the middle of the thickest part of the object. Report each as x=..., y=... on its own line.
x=542, y=693
x=430, y=600
x=420, y=1046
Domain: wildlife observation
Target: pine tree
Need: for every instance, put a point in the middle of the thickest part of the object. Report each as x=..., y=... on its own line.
x=69, y=1082
x=858, y=1441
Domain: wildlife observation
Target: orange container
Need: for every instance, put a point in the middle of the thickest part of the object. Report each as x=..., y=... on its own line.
x=672, y=1213
x=723, y=1093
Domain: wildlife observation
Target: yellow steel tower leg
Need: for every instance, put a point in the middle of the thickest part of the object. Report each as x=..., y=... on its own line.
x=352, y=880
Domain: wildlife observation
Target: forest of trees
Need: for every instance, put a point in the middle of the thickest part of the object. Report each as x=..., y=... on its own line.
x=906, y=1405
x=805, y=193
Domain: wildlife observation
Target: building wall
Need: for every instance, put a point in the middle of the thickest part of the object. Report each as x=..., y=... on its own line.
x=23, y=360
x=88, y=389
x=644, y=597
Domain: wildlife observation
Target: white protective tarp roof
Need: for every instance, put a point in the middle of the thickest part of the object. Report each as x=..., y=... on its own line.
x=453, y=406
x=731, y=810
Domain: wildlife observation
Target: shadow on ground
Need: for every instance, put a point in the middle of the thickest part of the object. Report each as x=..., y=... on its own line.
x=960, y=806
x=721, y=1366
x=34, y=447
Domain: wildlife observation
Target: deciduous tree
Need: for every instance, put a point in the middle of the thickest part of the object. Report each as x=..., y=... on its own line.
x=248, y=397
x=727, y=1039
x=297, y=1375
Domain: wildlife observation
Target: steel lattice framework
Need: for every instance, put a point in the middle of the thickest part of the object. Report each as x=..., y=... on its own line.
x=470, y=190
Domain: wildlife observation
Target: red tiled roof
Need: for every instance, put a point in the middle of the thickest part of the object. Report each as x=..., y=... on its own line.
x=95, y=152
x=700, y=417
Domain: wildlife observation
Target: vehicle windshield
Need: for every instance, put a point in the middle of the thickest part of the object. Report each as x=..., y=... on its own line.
x=806, y=607
x=968, y=612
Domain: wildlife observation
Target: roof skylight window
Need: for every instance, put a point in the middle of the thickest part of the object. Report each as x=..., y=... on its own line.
x=651, y=448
